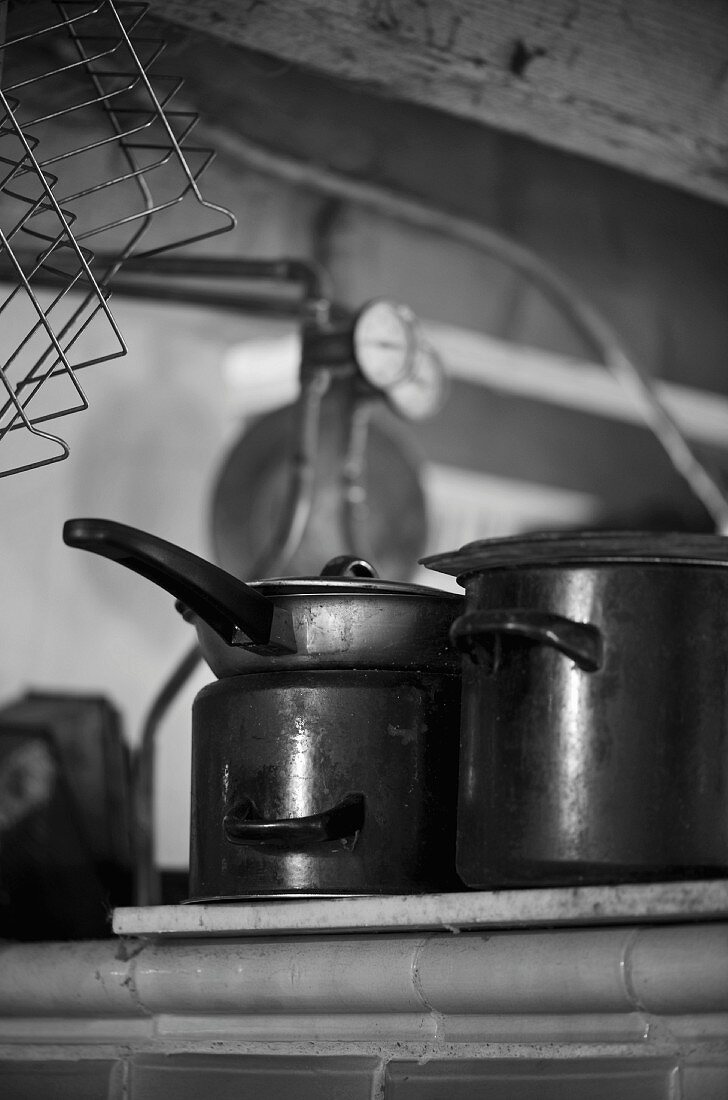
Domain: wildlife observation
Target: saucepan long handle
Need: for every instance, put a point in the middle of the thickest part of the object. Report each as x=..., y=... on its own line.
x=582, y=642
x=244, y=824
x=235, y=611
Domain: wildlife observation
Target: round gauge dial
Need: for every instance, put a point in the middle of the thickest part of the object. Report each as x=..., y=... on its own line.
x=384, y=342
x=423, y=392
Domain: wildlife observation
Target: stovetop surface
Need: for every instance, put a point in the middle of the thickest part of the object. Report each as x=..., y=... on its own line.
x=635, y=903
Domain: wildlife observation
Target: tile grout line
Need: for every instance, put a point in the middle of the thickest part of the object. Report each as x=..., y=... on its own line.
x=130, y=981
x=419, y=990
x=625, y=965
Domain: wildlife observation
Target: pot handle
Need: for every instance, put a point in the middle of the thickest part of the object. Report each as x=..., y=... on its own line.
x=237, y=613
x=243, y=824
x=582, y=642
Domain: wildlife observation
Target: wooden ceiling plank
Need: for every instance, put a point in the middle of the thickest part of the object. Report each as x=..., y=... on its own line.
x=642, y=86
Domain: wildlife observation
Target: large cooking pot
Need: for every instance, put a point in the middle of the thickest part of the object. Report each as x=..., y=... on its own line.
x=324, y=759
x=345, y=618
x=594, y=737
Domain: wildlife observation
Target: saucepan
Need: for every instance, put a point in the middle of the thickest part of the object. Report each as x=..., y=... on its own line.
x=345, y=618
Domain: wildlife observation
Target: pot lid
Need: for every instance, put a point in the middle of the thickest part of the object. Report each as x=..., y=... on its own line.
x=348, y=586
x=546, y=548
x=348, y=575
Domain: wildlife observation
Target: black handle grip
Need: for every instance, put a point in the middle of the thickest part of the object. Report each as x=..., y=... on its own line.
x=237, y=613
x=244, y=825
x=582, y=642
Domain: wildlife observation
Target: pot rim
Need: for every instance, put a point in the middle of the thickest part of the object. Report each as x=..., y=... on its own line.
x=545, y=548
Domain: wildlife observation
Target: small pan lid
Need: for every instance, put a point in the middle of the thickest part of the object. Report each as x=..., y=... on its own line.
x=544, y=548
x=347, y=575
x=348, y=586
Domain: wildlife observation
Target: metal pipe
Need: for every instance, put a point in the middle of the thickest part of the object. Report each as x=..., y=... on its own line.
x=311, y=276
x=147, y=882
x=128, y=281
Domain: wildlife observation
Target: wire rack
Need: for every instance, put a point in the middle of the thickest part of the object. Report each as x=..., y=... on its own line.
x=95, y=159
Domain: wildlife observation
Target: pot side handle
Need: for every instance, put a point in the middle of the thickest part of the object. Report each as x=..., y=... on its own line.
x=582, y=642
x=244, y=825
x=235, y=611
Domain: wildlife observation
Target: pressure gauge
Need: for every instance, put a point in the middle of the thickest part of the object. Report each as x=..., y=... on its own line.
x=423, y=391
x=384, y=342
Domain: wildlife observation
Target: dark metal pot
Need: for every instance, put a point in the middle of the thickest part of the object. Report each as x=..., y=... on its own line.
x=594, y=735
x=346, y=618
x=324, y=783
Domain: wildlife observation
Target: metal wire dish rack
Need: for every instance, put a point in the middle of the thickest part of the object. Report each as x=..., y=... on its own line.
x=96, y=166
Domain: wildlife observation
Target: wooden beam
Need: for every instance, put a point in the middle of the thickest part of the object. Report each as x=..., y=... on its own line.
x=642, y=85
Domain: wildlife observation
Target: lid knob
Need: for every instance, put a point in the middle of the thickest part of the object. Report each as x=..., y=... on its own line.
x=347, y=566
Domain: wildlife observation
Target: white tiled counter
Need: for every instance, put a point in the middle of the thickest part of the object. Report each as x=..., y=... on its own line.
x=624, y=1010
